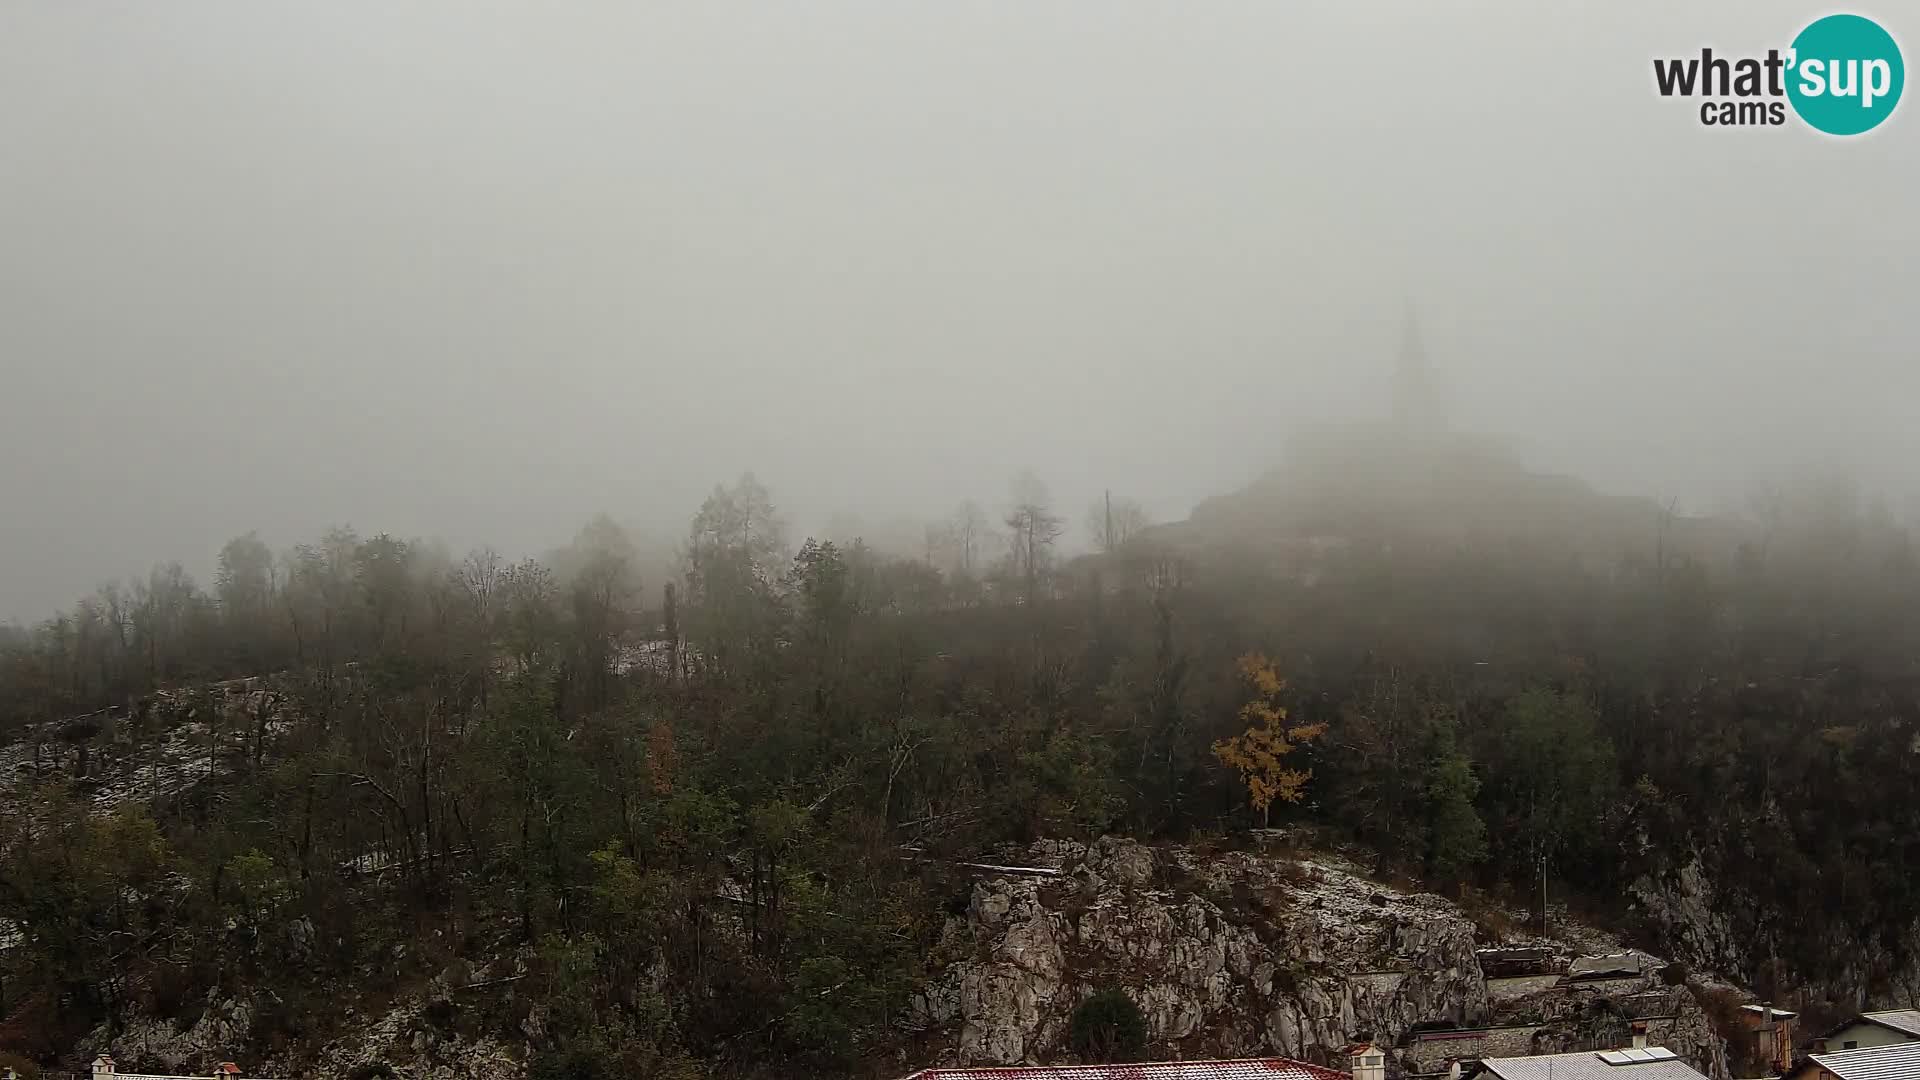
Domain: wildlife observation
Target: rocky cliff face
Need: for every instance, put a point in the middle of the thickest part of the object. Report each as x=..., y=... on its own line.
x=1713, y=927
x=1234, y=953
x=1687, y=909
x=1227, y=953
x=401, y=1041
x=189, y=735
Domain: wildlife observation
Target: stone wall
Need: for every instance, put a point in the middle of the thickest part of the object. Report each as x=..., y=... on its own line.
x=1431, y=1052
x=1517, y=987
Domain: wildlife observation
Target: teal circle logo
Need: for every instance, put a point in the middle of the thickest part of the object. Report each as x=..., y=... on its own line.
x=1845, y=74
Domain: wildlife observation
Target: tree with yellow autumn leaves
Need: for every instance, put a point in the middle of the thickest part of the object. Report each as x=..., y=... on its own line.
x=1259, y=753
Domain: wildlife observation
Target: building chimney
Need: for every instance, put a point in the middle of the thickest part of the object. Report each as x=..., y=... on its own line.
x=1368, y=1061
x=102, y=1067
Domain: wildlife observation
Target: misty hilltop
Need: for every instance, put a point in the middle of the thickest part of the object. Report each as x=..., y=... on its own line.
x=480, y=275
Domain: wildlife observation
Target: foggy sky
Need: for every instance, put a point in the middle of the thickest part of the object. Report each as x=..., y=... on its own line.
x=479, y=271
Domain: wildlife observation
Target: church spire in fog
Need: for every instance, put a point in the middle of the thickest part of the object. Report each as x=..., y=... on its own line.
x=1416, y=391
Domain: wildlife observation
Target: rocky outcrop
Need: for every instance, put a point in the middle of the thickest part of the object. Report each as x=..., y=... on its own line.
x=1686, y=907
x=410, y=1047
x=401, y=1041
x=149, y=1044
x=159, y=746
x=1239, y=953
x=1226, y=954
x=1727, y=930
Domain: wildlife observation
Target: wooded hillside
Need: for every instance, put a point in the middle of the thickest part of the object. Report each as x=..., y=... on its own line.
x=709, y=807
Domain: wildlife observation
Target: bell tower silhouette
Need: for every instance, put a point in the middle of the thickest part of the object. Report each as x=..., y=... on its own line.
x=1416, y=391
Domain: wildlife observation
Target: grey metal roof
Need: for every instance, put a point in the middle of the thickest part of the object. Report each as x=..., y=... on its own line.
x=1897, y=1061
x=1639, y=1055
x=1654, y=1063
x=1905, y=1021
x=1612, y=964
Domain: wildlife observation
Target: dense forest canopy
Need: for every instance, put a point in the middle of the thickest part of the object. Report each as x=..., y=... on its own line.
x=709, y=803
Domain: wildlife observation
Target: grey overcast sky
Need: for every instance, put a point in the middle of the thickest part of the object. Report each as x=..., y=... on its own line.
x=477, y=271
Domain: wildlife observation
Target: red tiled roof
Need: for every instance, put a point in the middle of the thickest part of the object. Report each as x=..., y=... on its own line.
x=1243, y=1069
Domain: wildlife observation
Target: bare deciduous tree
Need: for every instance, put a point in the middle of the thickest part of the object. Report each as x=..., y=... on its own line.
x=1112, y=522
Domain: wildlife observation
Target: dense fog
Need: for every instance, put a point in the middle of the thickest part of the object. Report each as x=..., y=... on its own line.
x=477, y=272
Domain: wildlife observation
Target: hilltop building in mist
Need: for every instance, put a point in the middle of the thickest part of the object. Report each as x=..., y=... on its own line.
x=1418, y=405
x=1413, y=482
